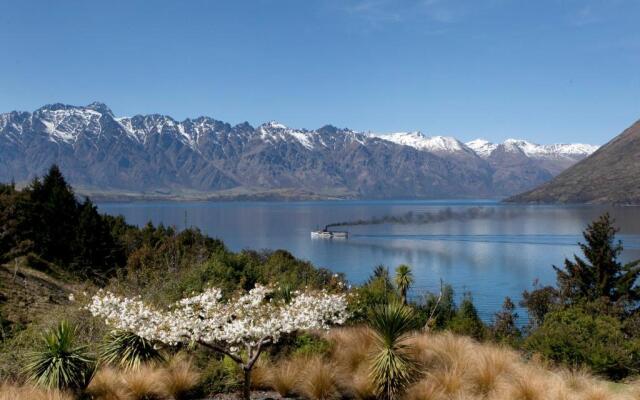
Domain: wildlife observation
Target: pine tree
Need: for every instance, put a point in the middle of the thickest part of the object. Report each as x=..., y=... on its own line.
x=95, y=251
x=51, y=216
x=599, y=274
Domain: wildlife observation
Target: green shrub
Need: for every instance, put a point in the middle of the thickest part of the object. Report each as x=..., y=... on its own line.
x=466, y=321
x=128, y=350
x=377, y=291
x=575, y=337
x=504, y=328
x=307, y=344
x=60, y=363
x=441, y=308
x=220, y=376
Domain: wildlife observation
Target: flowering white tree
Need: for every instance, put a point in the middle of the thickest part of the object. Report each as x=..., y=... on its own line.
x=247, y=322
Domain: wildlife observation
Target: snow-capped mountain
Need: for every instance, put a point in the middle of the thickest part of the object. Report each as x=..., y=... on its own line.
x=155, y=154
x=482, y=147
x=575, y=151
x=420, y=141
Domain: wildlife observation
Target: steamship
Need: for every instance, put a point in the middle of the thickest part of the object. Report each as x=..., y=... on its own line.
x=327, y=234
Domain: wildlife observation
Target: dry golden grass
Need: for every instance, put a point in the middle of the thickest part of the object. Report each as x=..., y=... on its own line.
x=450, y=368
x=319, y=381
x=106, y=385
x=286, y=374
x=351, y=346
x=456, y=367
x=527, y=386
x=451, y=381
x=261, y=375
x=576, y=380
x=424, y=390
x=491, y=367
x=358, y=383
x=27, y=392
x=145, y=383
x=179, y=377
x=175, y=381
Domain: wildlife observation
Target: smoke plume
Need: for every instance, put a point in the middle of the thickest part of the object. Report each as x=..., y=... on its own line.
x=423, y=218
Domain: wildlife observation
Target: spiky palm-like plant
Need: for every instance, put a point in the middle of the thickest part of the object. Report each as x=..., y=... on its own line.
x=392, y=365
x=404, y=279
x=128, y=350
x=59, y=363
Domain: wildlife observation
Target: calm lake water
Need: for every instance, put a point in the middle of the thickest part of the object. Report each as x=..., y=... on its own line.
x=490, y=249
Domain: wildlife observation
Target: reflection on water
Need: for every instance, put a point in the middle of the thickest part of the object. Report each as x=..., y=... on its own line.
x=499, y=253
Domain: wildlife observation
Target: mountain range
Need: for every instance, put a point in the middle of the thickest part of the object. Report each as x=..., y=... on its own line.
x=610, y=175
x=155, y=156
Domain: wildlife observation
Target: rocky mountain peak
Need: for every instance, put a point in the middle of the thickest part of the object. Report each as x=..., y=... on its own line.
x=156, y=152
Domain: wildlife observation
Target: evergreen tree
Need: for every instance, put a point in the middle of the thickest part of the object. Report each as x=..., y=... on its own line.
x=599, y=274
x=467, y=321
x=539, y=302
x=51, y=216
x=95, y=251
x=504, y=326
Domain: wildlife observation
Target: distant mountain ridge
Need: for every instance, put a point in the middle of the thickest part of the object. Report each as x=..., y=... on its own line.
x=159, y=156
x=609, y=175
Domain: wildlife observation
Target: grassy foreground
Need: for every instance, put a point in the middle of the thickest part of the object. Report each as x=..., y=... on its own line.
x=449, y=367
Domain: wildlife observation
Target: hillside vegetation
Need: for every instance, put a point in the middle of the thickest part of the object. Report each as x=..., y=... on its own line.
x=583, y=332
x=610, y=175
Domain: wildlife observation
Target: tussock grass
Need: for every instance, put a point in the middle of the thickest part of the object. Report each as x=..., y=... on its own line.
x=261, y=377
x=450, y=367
x=175, y=380
x=360, y=384
x=145, y=383
x=10, y=391
x=351, y=347
x=319, y=381
x=457, y=367
x=106, y=385
x=179, y=377
x=286, y=374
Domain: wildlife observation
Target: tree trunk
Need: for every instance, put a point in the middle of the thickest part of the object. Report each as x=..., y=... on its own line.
x=246, y=390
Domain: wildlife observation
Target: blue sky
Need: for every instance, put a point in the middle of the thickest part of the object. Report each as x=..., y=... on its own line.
x=545, y=70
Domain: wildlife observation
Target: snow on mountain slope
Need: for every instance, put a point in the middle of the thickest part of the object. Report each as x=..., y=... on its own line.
x=420, y=141
x=275, y=131
x=156, y=152
x=65, y=123
x=484, y=149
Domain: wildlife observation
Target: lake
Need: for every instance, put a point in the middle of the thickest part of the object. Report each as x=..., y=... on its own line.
x=491, y=249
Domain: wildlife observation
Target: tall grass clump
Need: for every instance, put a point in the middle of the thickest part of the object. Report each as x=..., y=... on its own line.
x=145, y=383
x=106, y=385
x=392, y=366
x=286, y=374
x=27, y=392
x=180, y=377
x=319, y=381
x=59, y=362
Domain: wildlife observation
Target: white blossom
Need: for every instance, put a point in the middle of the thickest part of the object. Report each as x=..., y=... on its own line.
x=246, y=321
